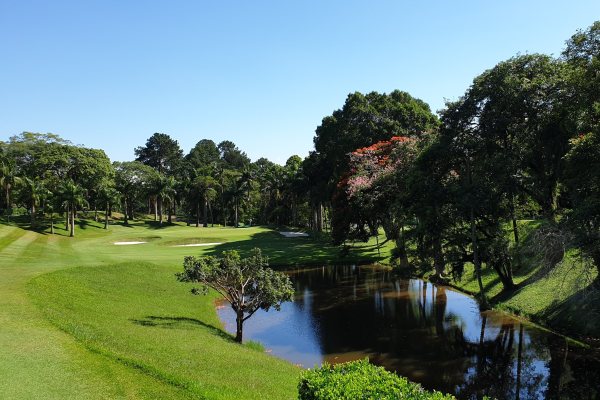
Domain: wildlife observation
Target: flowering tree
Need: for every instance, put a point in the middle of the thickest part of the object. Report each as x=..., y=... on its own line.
x=371, y=194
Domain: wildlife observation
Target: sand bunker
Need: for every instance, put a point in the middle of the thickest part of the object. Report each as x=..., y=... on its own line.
x=293, y=234
x=127, y=243
x=197, y=244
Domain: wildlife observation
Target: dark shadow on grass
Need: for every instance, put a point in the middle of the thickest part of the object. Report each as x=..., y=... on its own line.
x=179, y=323
x=284, y=251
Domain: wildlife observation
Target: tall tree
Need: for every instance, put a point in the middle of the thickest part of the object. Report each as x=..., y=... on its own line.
x=231, y=156
x=8, y=180
x=73, y=198
x=161, y=153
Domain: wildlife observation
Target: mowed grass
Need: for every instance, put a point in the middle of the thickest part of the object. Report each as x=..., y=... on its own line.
x=82, y=318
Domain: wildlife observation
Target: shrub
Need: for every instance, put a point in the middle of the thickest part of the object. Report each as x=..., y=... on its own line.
x=360, y=380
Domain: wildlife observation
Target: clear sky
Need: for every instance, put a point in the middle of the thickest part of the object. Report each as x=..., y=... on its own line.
x=108, y=74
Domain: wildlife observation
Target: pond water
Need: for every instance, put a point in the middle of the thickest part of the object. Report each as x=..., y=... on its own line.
x=430, y=334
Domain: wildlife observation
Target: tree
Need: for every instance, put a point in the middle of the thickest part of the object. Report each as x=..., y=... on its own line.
x=161, y=153
x=72, y=197
x=204, y=188
x=204, y=155
x=231, y=156
x=132, y=179
x=8, y=180
x=108, y=195
x=583, y=182
x=246, y=283
x=362, y=121
x=33, y=192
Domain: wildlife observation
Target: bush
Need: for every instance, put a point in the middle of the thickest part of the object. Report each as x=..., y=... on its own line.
x=360, y=380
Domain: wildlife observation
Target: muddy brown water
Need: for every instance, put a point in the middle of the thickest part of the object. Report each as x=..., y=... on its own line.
x=431, y=334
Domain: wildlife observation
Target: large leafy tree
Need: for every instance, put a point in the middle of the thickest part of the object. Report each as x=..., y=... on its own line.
x=362, y=121
x=132, y=180
x=583, y=182
x=8, y=180
x=246, y=283
x=583, y=54
x=204, y=156
x=232, y=157
x=161, y=152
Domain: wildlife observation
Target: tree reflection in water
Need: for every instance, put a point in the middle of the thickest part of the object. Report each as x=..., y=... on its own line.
x=430, y=334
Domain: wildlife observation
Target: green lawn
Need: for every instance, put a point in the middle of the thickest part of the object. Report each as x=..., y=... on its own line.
x=559, y=296
x=84, y=318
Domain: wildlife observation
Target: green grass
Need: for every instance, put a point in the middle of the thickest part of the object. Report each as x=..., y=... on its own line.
x=559, y=297
x=82, y=318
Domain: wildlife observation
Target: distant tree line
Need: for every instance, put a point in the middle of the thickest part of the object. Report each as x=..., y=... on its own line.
x=212, y=184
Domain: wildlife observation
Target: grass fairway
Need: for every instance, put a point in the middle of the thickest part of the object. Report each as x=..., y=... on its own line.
x=83, y=318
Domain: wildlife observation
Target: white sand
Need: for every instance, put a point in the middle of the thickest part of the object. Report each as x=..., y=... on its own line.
x=127, y=243
x=293, y=234
x=197, y=244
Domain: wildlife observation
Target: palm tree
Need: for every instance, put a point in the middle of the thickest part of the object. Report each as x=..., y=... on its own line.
x=108, y=195
x=165, y=193
x=8, y=180
x=34, y=193
x=205, y=186
x=72, y=196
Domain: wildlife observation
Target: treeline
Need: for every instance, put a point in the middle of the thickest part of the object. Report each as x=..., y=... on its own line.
x=523, y=142
x=212, y=184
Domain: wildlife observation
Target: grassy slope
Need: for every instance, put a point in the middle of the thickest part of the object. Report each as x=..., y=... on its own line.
x=97, y=309
x=559, y=297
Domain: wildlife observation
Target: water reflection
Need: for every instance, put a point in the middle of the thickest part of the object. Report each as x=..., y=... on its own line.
x=430, y=334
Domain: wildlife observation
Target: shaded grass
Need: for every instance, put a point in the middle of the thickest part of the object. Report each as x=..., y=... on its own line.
x=560, y=297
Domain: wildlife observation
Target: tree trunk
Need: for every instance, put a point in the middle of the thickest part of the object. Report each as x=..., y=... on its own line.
x=402, y=253
x=72, y=233
x=95, y=213
x=514, y=218
x=239, y=320
x=106, y=216
x=8, y=203
x=205, y=213
x=155, y=201
x=320, y=217
x=477, y=261
x=212, y=220
x=52, y=223
x=67, y=218
x=125, y=221
x=33, y=214
x=197, y=214
x=235, y=210
x=438, y=255
x=170, y=213
x=160, y=211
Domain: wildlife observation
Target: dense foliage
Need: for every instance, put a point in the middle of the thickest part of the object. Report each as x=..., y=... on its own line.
x=246, y=283
x=360, y=380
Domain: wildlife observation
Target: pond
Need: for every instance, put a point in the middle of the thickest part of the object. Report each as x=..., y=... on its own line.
x=431, y=334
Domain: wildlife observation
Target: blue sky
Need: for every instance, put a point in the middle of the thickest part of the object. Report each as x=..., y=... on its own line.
x=108, y=74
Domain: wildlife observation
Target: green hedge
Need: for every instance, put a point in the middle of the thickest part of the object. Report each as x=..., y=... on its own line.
x=360, y=380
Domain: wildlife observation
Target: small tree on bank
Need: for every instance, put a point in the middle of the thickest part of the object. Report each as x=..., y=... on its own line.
x=246, y=283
